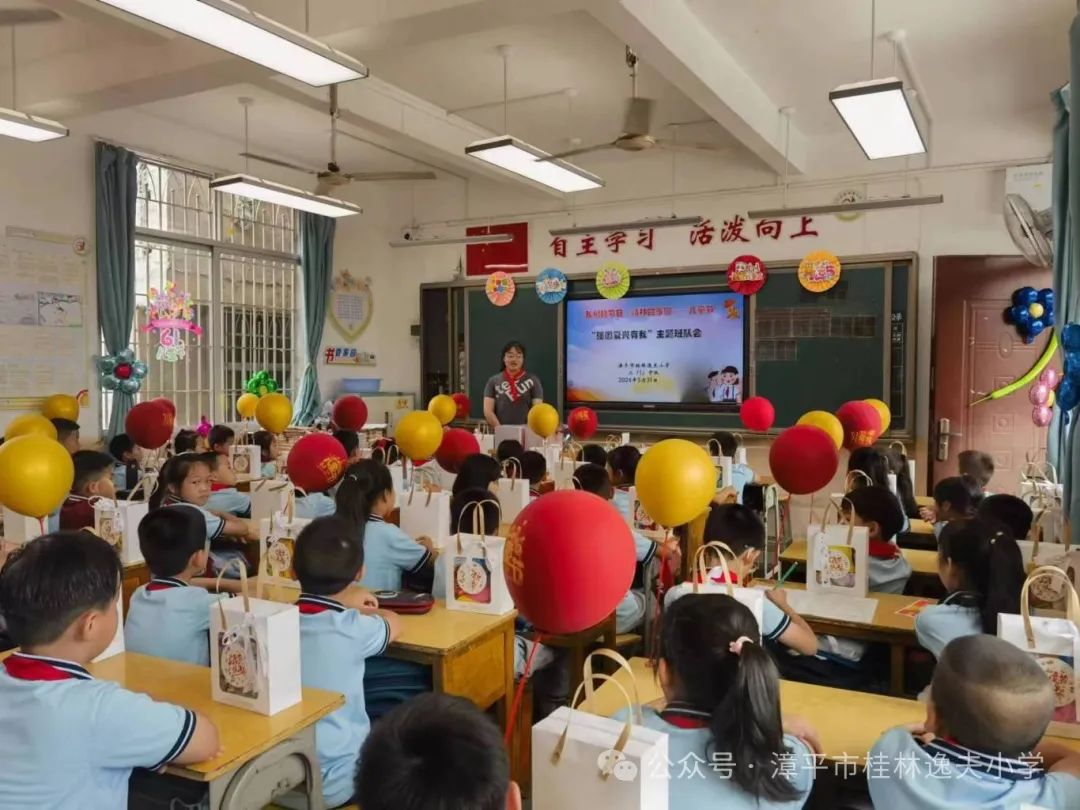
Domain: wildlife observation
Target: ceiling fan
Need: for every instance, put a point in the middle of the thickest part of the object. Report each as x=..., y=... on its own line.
x=333, y=177
x=637, y=126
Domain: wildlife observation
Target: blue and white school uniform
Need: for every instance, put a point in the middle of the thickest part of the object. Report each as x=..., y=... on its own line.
x=70, y=742
x=696, y=776
x=622, y=501
x=774, y=621
x=903, y=772
x=220, y=558
x=389, y=553
x=215, y=526
x=630, y=612
x=335, y=643
x=315, y=505
x=888, y=575
x=268, y=469
x=954, y=616
x=741, y=475
x=168, y=618
x=230, y=500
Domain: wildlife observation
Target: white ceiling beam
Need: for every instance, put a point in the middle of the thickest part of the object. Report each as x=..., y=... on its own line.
x=675, y=42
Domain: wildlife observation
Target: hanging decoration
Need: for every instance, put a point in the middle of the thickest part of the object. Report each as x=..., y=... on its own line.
x=1036, y=370
x=120, y=371
x=169, y=311
x=613, y=280
x=203, y=428
x=819, y=271
x=261, y=384
x=551, y=285
x=1068, y=390
x=1032, y=311
x=746, y=274
x=351, y=304
x=500, y=288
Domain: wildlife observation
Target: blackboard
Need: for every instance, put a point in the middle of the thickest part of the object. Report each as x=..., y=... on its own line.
x=808, y=351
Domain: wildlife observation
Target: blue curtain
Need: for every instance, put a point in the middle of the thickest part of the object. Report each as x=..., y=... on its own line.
x=1062, y=446
x=115, y=194
x=316, y=265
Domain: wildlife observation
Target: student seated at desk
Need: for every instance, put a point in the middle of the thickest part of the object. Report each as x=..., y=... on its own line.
x=478, y=471
x=93, y=479
x=905, y=487
x=955, y=498
x=341, y=627
x=185, y=441
x=982, y=743
x=979, y=468
x=983, y=570
x=224, y=496
x=313, y=505
x=365, y=498
x=534, y=469
x=622, y=467
x=67, y=433
x=220, y=439
x=350, y=440
x=868, y=466
x=741, y=474
x=508, y=449
x=592, y=454
x=269, y=452
x=722, y=695
x=68, y=740
x=1009, y=511
x=434, y=753
x=126, y=471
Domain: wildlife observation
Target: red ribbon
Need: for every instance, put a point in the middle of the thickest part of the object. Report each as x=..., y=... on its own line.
x=512, y=379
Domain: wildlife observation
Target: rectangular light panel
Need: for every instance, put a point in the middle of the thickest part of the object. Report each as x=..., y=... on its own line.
x=240, y=31
x=15, y=124
x=244, y=185
x=518, y=157
x=880, y=118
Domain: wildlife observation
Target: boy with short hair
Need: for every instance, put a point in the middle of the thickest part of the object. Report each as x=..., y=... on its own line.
x=978, y=466
x=185, y=441
x=224, y=496
x=340, y=628
x=126, y=471
x=221, y=439
x=534, y=470
x=68, y=740
x=93, y=479
x=436, y=752
x=982, y=743
x=67, y=433
x=508, y=449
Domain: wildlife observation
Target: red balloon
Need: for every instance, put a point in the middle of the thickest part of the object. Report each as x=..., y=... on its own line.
x=582, y=423
x=350, y=413
x=463, y=405
x=757, y=413
x=149, y=425
x=803, y=459
x=168, y=405
x=457, y=445
x=316, y=462
x=861, y=422
x=569, y=559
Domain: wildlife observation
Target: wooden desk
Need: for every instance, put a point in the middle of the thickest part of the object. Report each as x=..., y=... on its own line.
x=924, y=500
x=849, y=723
x=135, y=574
x=245, y=736
x=919, y=526
x=922, y=562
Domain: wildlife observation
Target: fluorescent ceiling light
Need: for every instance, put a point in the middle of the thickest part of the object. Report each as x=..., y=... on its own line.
x=879, y=116
x=840, y=208
x=507, y=152
x=244, y=185
x=669, y=222
x=479, y=239
x=240, y=31
x=15, y=124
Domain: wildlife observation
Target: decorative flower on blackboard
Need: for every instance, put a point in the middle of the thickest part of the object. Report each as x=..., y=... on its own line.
x=1032, y=311
x=169, y=311
x=120, y=371
x=261, y=383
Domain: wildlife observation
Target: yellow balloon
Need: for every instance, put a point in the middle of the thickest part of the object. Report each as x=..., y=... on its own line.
x=827, y=422
x=30, y=424
x=61, y=406
x=1050, y=400
x=246, y=405
x=443, y=408
x=543, y=420
x=36, y=474
x=274, y=412
x=418, y=434
x=675, y=481
x=883, y=412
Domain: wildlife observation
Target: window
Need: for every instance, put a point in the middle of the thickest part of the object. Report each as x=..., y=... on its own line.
x=237, y=259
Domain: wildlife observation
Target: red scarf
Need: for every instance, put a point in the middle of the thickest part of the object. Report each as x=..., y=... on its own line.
x=883, y=550
x=512, y=380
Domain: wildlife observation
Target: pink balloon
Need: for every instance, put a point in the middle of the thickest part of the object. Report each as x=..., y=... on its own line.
x=1051, y=376
x=1041, y=415
x=1039, y=393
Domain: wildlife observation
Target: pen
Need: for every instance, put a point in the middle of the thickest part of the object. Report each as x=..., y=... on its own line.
x=784, y=577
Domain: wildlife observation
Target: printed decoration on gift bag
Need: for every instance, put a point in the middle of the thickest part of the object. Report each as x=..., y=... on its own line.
x=551, y=285
x=120, y=371
x=746, y=274
x=500, y=288
x=1031, y=312
x=237, y=647
x=351, y=304
x=837, y=555
x=613, y=280
x=819, y=271
x=471, y=567
x=169, y=311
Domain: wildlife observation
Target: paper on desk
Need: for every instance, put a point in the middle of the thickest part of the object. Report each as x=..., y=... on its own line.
x=855, y=609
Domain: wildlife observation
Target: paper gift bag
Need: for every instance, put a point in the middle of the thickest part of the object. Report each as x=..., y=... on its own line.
x=269, y=495
x=116, y=646
x=704, y=580
x=485, y=439
x=117, y=522
x=581, y=761
x=1040, y=477
x=1055, y=645
x=509, y=433
x=21, y=529
x=639, y=518
x=254, y=653
x=513, y=491
x=397, y=478
x=278, y=545
x=473, y=568
x=425, y=513
x=899, y=446
x=837, y=556
x=246, y=459
x=561, y=464
x=1050, y=593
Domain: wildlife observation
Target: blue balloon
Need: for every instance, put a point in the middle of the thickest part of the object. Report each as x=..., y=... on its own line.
x=129, y=386
x=1025, y=296
x=1048, y=317
x=109, y=383
x=138, y=370
x=1070, y=337
x=105, y=364
x=1036, y=327
x=125, y=356
x=1046, y=295
x=1019, y=315
x=1068, y=394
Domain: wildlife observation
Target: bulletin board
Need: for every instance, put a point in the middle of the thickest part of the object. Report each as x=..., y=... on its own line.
x=43, y=312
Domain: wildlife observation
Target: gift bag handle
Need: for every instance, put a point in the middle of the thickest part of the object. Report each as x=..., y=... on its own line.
x=719, y=450
x=700, y=566
x=570, y=452
x=516, y=465
x=900, y=444
x=243, y=589
x=623, y=665
x=856, y=474
x=477, y=516
x=428, y=478
x=1038, y=529
x=1043, y=470
x=143, y=485
x=624, y=735
x=1072, y=605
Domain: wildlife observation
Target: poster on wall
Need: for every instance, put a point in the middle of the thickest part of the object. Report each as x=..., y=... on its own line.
x=351, y=304
x=505, y=257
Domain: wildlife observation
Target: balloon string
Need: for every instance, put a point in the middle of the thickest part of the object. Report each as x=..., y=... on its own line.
x=519, y=693
x=41, y=524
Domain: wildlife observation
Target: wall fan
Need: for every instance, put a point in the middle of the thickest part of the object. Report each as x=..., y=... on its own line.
x=1030, y=230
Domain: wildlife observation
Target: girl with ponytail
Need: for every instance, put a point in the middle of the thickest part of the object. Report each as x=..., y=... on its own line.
x=722, y=712
x=982, y=568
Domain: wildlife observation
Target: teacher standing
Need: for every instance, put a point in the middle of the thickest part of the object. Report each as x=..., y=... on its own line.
x=510, y=394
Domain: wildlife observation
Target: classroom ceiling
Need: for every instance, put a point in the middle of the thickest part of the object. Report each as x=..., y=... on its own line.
x=720, y=68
